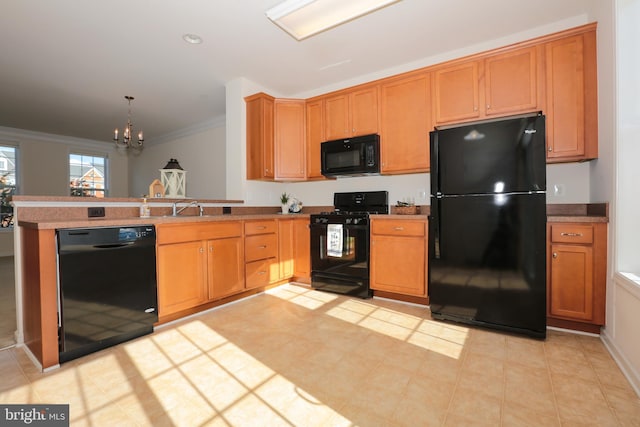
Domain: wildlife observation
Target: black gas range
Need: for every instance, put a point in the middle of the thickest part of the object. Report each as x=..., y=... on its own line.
x=340, y=243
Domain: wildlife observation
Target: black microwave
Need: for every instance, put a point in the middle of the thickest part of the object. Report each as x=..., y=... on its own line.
x=356, y=156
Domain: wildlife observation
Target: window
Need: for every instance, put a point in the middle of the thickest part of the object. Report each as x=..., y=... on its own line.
x=8, y=183
x=87, y=176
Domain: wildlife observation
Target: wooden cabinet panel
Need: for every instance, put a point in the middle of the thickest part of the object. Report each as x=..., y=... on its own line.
x=398, y=264
x=285, y=248
x=571, y=87
x=261, y=273
x=363, y=104
x=572, y=282
x=511, y=82
x=456, y=92
x=351, y=113
x=405, y=122
x=302, y=248
x=182, y=276
x=260, y=116
x=336, y=110
x=225, y=261
x=260, y=227
x=315, y=136
x=399, y=256
x=260, y=246
x=289, y=140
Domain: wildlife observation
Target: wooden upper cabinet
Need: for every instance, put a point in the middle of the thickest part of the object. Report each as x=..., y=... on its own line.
x=289, y=139
x=315, y=136
x=571, y=105
x=405, y=122
x=511, y=82
x=456, y=94
x=351, y=113
x=260, y=111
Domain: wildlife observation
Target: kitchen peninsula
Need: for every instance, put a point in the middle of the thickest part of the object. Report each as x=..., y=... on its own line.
x=261, y=249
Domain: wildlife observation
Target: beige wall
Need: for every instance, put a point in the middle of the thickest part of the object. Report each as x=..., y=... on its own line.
x=6, y=242
x=201, y=154
x=43, y=161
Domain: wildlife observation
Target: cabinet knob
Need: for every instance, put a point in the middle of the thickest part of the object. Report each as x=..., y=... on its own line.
x=549, y=149
x=555, y=255
x=475, y=108
x=488, y=107
x=210, y=248
x=201, y=250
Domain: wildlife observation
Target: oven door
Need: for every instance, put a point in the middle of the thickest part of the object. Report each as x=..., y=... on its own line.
x=340, y=257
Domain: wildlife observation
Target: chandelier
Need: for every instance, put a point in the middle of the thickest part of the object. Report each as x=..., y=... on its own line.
x=127, y=140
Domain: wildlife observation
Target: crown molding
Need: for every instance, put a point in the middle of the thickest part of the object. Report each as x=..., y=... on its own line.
x=191, y=130
x=16, y=135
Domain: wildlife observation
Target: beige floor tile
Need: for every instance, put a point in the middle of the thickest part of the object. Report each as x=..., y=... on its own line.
x=527, y=415
x=295, y=356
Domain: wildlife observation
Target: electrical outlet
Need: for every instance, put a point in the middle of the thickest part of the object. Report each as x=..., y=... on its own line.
x=226, y=210
x=95, y=212
x=558, y=190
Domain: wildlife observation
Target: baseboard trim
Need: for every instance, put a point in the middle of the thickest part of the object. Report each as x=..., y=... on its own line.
x=627, y=369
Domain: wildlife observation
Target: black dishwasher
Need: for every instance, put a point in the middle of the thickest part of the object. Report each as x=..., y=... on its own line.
x=107, y=287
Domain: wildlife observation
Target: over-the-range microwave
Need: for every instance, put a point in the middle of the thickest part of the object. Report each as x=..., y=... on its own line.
x=356, y=156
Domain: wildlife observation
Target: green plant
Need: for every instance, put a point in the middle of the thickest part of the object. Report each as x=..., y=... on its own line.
x=284, y=198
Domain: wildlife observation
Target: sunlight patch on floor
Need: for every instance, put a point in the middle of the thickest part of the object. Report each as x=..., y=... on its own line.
x=303, y=297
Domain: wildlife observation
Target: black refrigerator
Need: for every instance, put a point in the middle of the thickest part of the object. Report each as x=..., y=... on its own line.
x=487, y=227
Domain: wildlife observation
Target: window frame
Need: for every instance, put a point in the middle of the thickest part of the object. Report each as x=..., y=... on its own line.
x=105, y=178
x=6, y=210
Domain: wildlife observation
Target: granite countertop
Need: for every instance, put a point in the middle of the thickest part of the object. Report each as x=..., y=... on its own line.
x=155, y=220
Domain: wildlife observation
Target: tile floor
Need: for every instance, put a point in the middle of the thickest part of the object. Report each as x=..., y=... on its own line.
x=297, y=357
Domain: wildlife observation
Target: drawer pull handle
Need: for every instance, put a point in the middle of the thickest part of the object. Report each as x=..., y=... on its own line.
x=571, y=234
x=398, y=228
x=555, y=255
x=261, y=227
x=262, y=247
x=262, y=272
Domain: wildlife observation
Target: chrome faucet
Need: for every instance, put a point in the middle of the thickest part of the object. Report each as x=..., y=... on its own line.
x=175, y=211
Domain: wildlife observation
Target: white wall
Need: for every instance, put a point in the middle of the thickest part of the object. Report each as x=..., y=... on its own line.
x=43, y=162
x=200, y=153
x=623, y=287
x=6, y=242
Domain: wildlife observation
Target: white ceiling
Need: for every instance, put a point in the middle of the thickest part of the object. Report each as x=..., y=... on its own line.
x=66, y=65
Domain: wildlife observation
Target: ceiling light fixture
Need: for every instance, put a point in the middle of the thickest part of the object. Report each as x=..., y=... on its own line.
x=127, y=141
x=304, y=18
x=192, y=38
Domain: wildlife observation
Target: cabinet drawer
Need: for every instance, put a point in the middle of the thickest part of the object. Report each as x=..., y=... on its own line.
x=261, y=273
x=571, y=233
x=398, y=228
x=260, y=246
x=260, y=227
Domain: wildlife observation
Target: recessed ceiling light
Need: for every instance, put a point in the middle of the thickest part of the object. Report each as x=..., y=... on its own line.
x=192, y=38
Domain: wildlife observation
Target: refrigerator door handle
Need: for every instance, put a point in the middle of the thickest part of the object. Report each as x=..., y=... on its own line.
x=436, y=230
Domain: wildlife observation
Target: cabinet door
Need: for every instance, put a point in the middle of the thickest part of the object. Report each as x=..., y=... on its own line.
x=336, y=114
x=456, y=93
x=260, y=136
x=302, y=248
x=289, y=140
x=181, y=276
x=511, y=82
x=403, y=274
x=285, y=248
x=571, y=287
x=315, y=136
x=405, y=124
x=565, y=90
x=363, y=105
x=225, y=260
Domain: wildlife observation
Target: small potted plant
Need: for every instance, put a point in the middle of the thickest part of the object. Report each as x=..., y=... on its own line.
x=284, y=202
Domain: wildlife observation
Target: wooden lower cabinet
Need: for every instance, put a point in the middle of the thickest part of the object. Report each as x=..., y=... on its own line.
x=576, y=275
x=302, y=250
x=285, y=248
x=225, y=267
x=399, y=256
x=182, y=276
x=198, y=263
